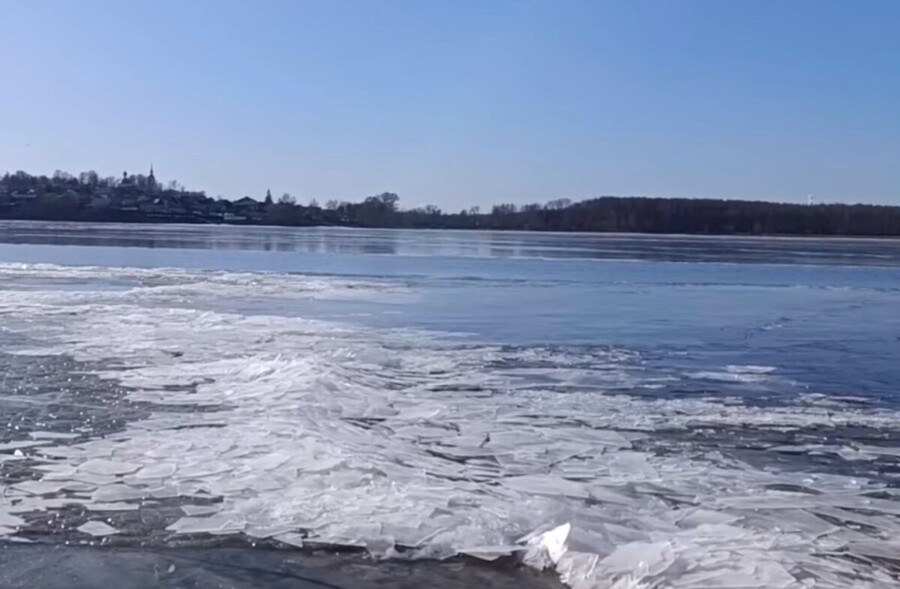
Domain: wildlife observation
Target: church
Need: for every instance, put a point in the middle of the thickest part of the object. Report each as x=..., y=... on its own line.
x=139, y=181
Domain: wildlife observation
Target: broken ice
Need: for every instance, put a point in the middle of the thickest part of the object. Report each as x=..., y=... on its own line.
x=314, y=434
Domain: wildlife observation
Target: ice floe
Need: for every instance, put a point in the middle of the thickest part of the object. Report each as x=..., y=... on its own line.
x=97, y=528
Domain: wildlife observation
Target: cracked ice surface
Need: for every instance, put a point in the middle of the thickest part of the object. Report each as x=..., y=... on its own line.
x=390, y=440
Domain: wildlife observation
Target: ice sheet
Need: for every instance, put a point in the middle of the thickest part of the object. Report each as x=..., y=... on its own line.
x=42, y=435
x=21, y=445
x=211, y=524
x=41, y=487
x=107, y=467
x=120, y=506
x=97, y=528
x=8, y=520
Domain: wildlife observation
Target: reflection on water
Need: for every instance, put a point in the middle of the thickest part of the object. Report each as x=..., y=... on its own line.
x=335, y=240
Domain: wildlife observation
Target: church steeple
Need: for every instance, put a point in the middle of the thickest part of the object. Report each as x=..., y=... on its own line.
x=151, y=179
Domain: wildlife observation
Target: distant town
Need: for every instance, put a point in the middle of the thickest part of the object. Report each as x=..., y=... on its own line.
x=139, y=198
x=129, y=198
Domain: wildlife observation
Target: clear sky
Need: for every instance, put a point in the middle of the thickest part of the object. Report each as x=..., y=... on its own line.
x=458, y=102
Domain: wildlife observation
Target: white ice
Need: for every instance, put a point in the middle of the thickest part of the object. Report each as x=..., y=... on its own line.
x=107, y=467
x=97, y=528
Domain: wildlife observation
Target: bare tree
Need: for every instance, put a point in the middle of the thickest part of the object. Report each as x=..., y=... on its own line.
x=389, y=200
x=558, y=204
x=60, y=177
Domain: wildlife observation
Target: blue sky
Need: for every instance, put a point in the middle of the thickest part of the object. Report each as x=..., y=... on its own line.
x=461, y=103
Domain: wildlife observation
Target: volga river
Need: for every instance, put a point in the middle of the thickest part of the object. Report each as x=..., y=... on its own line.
x=246, y=406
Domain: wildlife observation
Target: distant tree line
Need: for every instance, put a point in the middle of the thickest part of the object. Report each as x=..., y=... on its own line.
x=640, y=215
x=139, y=198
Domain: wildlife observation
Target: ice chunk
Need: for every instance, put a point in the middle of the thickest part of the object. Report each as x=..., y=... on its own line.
x=78, y=487
x=269, y=461
x=750, y=369
x=94, y=479
x=269, y=530
x=764, y=575
x=41, y=435
x=316, y=465
x=203, y=469
x=601, y=437
x=793, y=520
x=893, y=452
x=606, y=494
x=546, y=549
x=156, y=470
x=9, y=520
x=767, y=501
x=41, y=487
x=843, y=515
x=738, y=377
x=795, y=448
x=631, y=464
x=104, y=467
x=119, y=506
x=193, y=510
x=14, y=457
x=774, y=576
x=95, y=528
x=178, y=490
x=21, y=445
x=27, y=505
x=622, y=534
x=545, y=484
x=291, y=538
x=886, y=550
x=490, y=553
x=60, y=451
x=574, y=567
x=42, y=503
x=56, y=471
x=700, y=516
x=214, y=524
x=640, y=559
x=117, y=492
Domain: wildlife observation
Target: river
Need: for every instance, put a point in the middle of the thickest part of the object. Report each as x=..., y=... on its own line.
x=612, y=409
